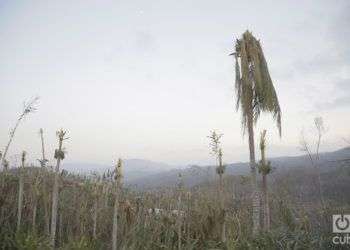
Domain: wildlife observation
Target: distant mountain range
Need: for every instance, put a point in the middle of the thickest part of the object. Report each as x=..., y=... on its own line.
x=194, y=175
x=150, y=174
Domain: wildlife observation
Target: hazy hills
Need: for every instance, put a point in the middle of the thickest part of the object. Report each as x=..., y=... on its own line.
x=150, y=174
x=195, y=174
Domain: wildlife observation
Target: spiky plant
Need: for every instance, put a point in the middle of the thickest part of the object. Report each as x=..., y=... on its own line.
x=59, y=156
x=255, y=94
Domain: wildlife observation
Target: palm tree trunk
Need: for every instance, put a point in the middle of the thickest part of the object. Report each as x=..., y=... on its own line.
x=20, y=198
x=42, y=145
x=60, y=227
x=266, y=208
x=95, y=219
x=179, y=222
x=54, y=209
x=55, y=199
x=223, y=228
x=233, y=190
x=266, y=203
x=46, y=201
x=35, y=207
x=255, y=192
x=115, y=220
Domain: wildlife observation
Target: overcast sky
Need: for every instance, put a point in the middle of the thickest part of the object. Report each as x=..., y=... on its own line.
x=151, y=79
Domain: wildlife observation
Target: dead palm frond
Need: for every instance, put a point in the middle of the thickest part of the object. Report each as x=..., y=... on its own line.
x=254, y=87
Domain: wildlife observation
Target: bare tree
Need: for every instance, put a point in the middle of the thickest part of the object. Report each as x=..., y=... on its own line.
x=59, y=156
x=27, y=109
x=314, y=157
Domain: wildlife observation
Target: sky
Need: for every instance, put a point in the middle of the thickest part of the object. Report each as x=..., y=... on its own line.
x=151, y=79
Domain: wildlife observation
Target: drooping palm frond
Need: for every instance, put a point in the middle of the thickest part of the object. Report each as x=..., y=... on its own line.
x=254, y=88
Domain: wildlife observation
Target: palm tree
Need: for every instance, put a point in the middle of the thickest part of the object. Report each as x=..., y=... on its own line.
x=265, y=169
x=59, y=156
x=255, y=94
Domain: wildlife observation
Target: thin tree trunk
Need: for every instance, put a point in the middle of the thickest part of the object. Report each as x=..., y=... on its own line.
x=54, y=209
x=55, y=198
x=188, y=227
x=46, y=201
x=115, y=220
x=20, y=197
x=35, y=206
x=266, y=203
x=318, y=170
x=179, y=222
x=233, y=190
x=60, y=227
x=266, y=208
x=223, y=214
x=255, y=192
x=95, y=219
x=12, y=134
x=42, y=145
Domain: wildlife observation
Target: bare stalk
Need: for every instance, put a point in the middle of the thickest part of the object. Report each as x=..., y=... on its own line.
x=220, y=169
x=20, y=191
x=118, y=177
x=43, y=161
x=179, y=218
x=265, y=169
x=59, y=155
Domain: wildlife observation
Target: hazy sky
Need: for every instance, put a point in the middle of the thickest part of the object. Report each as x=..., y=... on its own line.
x=150, y=79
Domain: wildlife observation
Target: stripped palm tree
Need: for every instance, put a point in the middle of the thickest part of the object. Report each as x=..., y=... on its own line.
x=264, y=169
x=179, y=208
x=59, y=156
x=255, y=94
x=118, y=177
x=220, y=170
x=20, y=191
x=43, y=161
